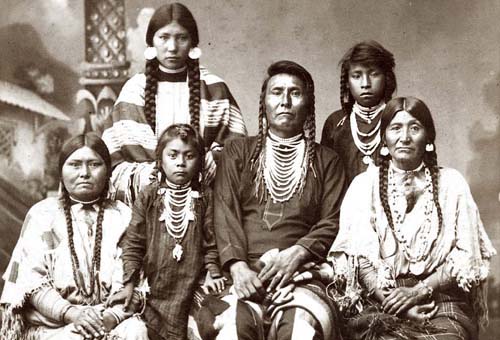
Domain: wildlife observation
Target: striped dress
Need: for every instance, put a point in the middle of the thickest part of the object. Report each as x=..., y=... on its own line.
x=147, y=247
x=132, y=142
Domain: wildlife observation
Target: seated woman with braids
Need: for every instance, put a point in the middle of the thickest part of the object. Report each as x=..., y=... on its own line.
x=174, y=89
x=67, y=260
x=412, y=256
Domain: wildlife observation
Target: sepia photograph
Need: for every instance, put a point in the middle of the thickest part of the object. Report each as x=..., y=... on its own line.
x=265, y=169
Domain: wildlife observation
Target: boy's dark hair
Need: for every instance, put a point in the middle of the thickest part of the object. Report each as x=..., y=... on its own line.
x=364, y=53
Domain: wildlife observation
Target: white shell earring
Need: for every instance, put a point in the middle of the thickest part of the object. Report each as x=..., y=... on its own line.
x=429, y=147
x=384, y=151
x=150, y=53
x=195, y=53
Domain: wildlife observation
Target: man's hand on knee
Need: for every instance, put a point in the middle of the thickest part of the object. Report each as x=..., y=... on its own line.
x=245, y=281
x=283, y=267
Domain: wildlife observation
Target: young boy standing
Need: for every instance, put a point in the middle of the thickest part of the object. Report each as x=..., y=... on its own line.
x=367, y=82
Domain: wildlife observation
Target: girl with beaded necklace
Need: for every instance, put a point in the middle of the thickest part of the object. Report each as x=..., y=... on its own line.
x=173, y=89
x=420, y=269
x=67, y=260
x=171, y=237
x=367, y=82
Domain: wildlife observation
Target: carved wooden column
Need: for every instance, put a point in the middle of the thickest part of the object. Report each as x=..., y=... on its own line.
x=105, y=68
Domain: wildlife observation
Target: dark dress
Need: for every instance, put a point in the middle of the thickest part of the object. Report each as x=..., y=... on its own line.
x=337, y=135
x=147, y=246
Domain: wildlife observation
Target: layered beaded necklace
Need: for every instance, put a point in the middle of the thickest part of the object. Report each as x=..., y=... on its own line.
x=368, y=115
x=284, y=166
x=417, y=254
x=178, y=211
x=75, y=263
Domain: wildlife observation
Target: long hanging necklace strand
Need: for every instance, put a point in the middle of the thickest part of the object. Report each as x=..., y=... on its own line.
x=367, y=115
x=283, y=165
x=422, y=242
x=177, y=213
x=75, y=263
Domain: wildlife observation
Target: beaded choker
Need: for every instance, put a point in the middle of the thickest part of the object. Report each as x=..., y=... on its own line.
x=178, y=211
x=172, y=76
x=74, y=201
x=284, y=166
x=368, y=115
x=167, y=70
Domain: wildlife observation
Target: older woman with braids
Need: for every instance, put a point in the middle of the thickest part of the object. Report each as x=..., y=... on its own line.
x=67, y=261
x=412, y=255
x=174, y=89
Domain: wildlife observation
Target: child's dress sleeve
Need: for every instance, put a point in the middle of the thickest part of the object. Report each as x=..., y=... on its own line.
x=211, y=255
x=133, y=242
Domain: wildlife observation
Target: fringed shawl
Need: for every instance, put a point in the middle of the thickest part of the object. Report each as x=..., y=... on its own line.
x=42, y=259
x=462, y=247
x=129, y=137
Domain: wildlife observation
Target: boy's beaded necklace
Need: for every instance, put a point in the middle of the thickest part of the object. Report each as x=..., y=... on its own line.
x=283, y=165
x=367, y=115
x=178, y=211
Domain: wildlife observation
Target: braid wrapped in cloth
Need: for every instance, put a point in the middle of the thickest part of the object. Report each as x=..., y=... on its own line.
x=130, y=132
x=378, y=261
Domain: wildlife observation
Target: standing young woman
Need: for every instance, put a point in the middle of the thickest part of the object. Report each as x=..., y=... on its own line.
x=174, y=89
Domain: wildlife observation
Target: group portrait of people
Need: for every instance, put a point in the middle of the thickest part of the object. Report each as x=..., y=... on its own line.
x=174, y=224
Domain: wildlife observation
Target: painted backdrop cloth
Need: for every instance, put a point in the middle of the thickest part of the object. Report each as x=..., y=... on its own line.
x=337, y=135
x=148, y=246
x=462, y=249
x=41, y=261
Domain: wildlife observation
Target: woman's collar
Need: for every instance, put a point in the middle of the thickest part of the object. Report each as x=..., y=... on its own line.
x=401, y=171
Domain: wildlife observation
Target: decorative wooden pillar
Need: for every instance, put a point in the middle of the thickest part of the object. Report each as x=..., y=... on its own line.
x=105, y=68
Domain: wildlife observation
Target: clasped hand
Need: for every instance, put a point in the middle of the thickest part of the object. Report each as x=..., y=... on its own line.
x=280, y=270
x=422, y=312
x=89, y=321
x=401, y=299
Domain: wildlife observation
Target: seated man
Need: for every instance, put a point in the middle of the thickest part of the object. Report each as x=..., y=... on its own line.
x=278, y=194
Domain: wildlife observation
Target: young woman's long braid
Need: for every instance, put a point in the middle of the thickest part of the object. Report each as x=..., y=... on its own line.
x=194, y=84
x=150, y=92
